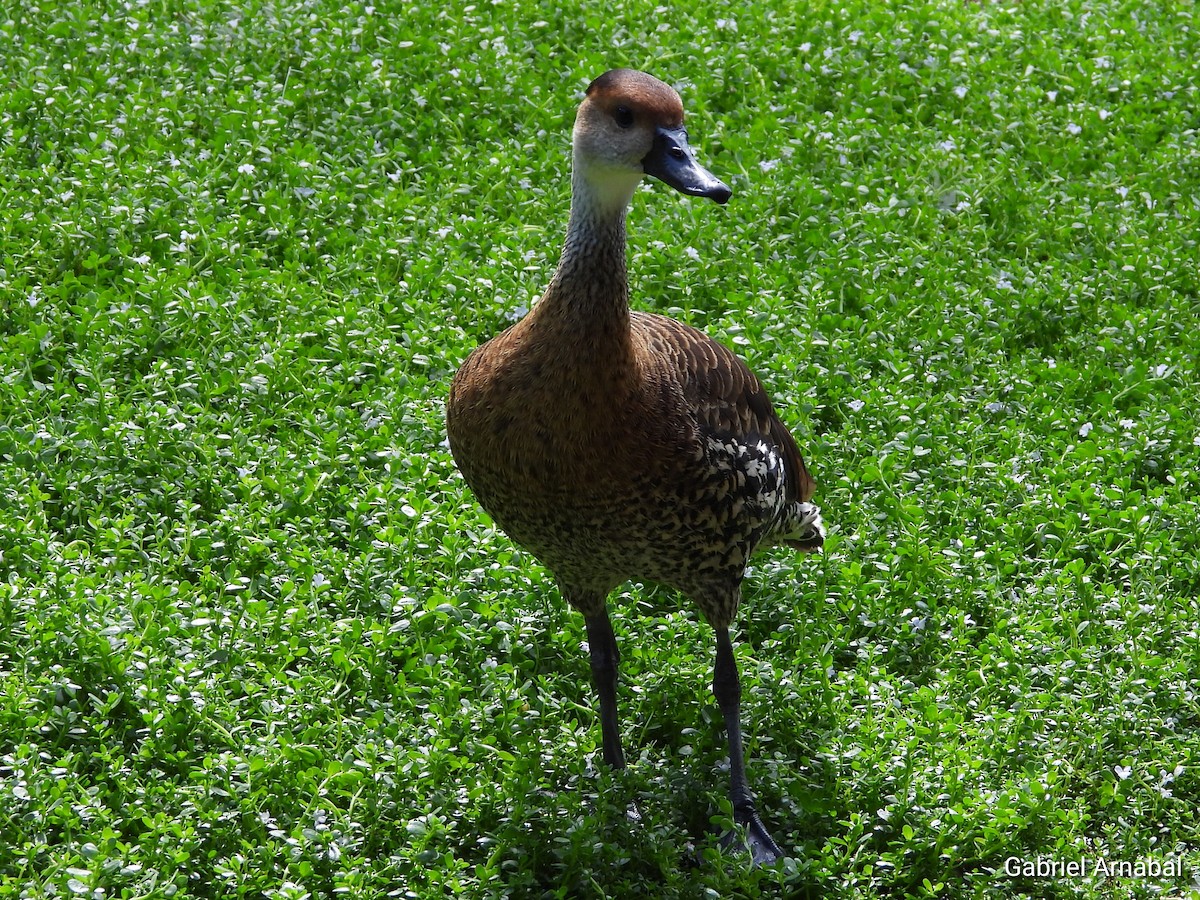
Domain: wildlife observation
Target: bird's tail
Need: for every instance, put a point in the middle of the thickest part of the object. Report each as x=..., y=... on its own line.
x=800, y=527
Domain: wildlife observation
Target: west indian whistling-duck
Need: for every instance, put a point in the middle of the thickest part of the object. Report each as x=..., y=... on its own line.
x=618, y=445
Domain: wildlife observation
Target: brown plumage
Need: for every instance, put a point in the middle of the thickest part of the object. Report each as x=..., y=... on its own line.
x=618, y=445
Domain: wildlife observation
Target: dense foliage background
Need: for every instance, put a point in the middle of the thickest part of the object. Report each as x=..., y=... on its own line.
x=256, y=637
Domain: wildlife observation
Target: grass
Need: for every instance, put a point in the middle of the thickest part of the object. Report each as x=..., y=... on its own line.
x=258, y=640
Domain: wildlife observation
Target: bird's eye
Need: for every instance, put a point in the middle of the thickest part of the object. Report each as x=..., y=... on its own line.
x=624, y=116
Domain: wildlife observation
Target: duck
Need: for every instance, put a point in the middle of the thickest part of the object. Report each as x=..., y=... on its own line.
x=618, y=445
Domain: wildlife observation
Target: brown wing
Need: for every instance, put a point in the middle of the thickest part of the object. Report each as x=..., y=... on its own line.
x=724, y=394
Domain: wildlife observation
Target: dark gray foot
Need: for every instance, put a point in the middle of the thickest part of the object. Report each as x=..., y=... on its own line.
x=752, y=836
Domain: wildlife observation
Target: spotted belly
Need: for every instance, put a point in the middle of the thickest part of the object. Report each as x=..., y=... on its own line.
x=691, y=525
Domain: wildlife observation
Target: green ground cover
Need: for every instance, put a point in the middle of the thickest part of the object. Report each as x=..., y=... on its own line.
x=258, y=640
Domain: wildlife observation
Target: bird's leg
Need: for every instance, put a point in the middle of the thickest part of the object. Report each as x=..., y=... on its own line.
x=727, y=690
x=602, y=645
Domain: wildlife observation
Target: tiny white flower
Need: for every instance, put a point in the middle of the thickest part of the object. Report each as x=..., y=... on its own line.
x=768, y=164
x=1104, y=114
x=1072, y=128
x=246, y=168
x=1051, y=96
x=319, y=580
x=143, y=260
x=856, y=405
x=1085, y=429
x=960, y=91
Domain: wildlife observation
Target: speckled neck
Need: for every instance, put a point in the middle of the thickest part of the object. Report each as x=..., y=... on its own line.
x=590, y=288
